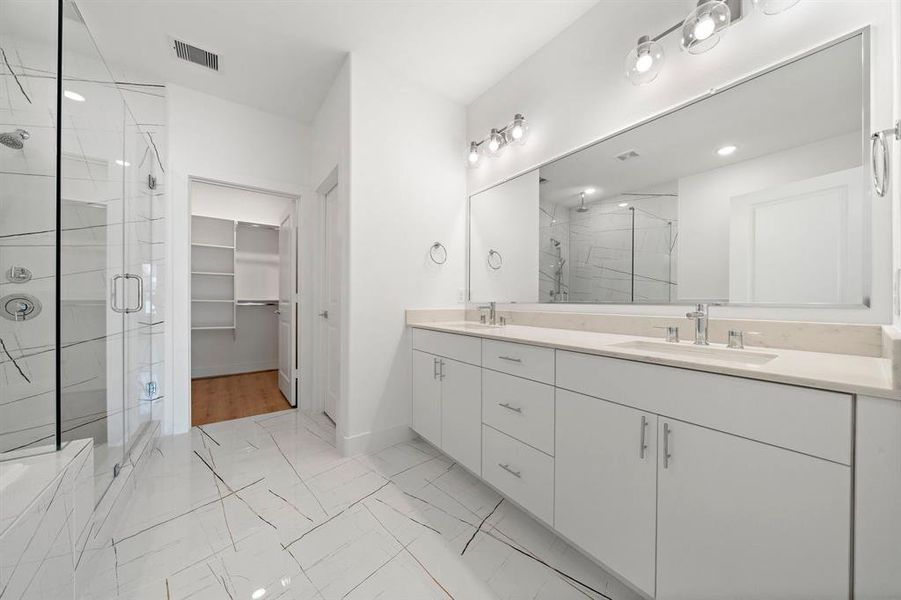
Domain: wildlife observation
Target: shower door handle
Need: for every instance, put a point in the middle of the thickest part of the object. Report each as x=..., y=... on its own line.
x=114, y=294
x=140, y=281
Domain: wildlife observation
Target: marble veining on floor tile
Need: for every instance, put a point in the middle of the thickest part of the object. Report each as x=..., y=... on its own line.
x=266, y=507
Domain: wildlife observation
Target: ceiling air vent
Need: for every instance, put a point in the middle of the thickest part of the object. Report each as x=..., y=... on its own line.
x=196, y=55
x=627, y=155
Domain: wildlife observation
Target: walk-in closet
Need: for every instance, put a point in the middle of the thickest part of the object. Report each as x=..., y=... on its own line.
x=243, y=310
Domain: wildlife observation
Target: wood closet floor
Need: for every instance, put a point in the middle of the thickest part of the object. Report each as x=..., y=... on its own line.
x=215, y=399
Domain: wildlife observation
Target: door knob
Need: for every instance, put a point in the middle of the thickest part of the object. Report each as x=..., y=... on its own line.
x=324, y=314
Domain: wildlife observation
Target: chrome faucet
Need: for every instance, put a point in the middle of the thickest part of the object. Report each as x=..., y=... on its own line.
x=700, y=316
x=491, y=307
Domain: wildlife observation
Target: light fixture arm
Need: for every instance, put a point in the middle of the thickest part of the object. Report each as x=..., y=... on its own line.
x=734, y=9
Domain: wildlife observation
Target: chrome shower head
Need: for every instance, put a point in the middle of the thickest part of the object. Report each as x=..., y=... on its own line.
x=582, y=208
x=14, y=139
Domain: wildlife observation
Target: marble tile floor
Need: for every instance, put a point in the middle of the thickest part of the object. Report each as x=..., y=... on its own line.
x=265, y=507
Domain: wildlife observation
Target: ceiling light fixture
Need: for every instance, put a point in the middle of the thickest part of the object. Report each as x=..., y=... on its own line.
x=726, y=150
x=773, y=7
x=644, y=61
x=590, y=191
x=582, y=208
x=623, y=204
x=514, y=132
x=73, y=96
x=258, y=593
x=705, y=25
x=122, y=163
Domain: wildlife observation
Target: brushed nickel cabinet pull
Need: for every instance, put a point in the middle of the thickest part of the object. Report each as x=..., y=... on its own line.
x=510, y=358
x=517, y=474
x=643, y=446
x=666, y=453
x=508, y=407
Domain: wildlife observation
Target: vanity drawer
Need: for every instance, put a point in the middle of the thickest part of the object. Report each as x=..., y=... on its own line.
x=520, y=408
x=531, y=362
x=811, y=421
x=459, y=347
x=520, y=472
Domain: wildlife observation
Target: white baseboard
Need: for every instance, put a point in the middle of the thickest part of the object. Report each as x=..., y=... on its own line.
x=373, y=441
x=218, y=370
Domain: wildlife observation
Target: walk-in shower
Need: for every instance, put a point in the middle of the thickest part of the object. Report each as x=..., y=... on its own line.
x=81, y=224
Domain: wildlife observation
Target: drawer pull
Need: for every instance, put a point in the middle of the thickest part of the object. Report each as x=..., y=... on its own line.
x=510, y=358
x=507, y=468
x=517, y=409
x=643, y=445
x=666, y=453
x=434, y=368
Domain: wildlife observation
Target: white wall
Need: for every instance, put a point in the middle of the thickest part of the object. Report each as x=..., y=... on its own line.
x=408, y=189
x=705, y=210
x=573, y=92
x=217, y=140
x=236, y=204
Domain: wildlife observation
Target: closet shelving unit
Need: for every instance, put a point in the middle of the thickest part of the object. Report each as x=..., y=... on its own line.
x=228, y=257
x=213, y=261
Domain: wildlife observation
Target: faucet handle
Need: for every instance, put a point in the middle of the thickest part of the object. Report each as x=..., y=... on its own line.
x=672, y=332
x=736, y=338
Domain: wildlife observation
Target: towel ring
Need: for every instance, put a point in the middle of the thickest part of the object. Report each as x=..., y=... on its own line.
x=438, y=253
x=495, y=260
x=878, y=142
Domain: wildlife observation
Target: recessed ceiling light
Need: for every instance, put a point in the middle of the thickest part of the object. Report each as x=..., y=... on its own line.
x=590, y=191
x=122, y=163
x=73, y=96
x=623, y=204
x=726, y=150
x=258, y=593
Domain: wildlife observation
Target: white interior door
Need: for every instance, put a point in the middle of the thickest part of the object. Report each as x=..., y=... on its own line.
x=331, y=312
x=287, y=307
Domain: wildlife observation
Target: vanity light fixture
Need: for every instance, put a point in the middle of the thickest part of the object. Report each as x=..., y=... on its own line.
x=122, y=163
x=705, y=25
x=726, y=150
x=644, y=61
x=515, y=132
x=773, y=7
x=75, y=96
x=700, y=31
x=582, y=208
x=474, y=155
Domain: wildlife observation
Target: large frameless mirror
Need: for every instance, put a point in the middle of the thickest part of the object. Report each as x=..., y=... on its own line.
x=755, y=194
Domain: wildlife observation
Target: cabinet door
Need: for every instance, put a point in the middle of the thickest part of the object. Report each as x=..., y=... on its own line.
x=742, y=519
x=461, y=413
x=426, y=397
x=606, y=483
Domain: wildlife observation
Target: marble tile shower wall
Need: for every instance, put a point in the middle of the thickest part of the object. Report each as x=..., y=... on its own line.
x=104, y=205
x=596, y=251
x=27, y=225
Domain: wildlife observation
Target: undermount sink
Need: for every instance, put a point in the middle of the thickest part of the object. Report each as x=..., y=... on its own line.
x=711, y=352
x=470, y=325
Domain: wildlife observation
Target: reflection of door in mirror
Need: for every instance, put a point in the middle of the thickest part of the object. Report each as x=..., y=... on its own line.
x=799, y=243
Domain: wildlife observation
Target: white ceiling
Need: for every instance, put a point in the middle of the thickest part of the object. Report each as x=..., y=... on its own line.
x=282, y=55
x=818, y=97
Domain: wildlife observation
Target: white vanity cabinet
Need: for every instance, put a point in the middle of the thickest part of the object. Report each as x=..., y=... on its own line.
x=447, y=394
x=689, y=485
x=741, y=519
x=606, y=483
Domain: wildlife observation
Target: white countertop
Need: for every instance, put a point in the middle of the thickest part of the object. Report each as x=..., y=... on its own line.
x=837, y=372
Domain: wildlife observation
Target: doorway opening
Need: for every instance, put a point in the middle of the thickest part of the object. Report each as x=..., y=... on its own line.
x=244, y=308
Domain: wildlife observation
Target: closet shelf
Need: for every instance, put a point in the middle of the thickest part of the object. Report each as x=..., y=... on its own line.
x=219, y=246
x=216, y=273
x=257, y=302
x=229, y=301
x=213, y=328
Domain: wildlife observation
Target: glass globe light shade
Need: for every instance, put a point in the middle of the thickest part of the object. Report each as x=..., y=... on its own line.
x=474, y=156
x=705, y=25
x=495, y=143
x=517, y=130
x=644, y=61
x=773, y=7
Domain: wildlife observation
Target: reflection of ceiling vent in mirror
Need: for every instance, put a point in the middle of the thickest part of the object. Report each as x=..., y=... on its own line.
x=196, y=55
x=627, y=155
